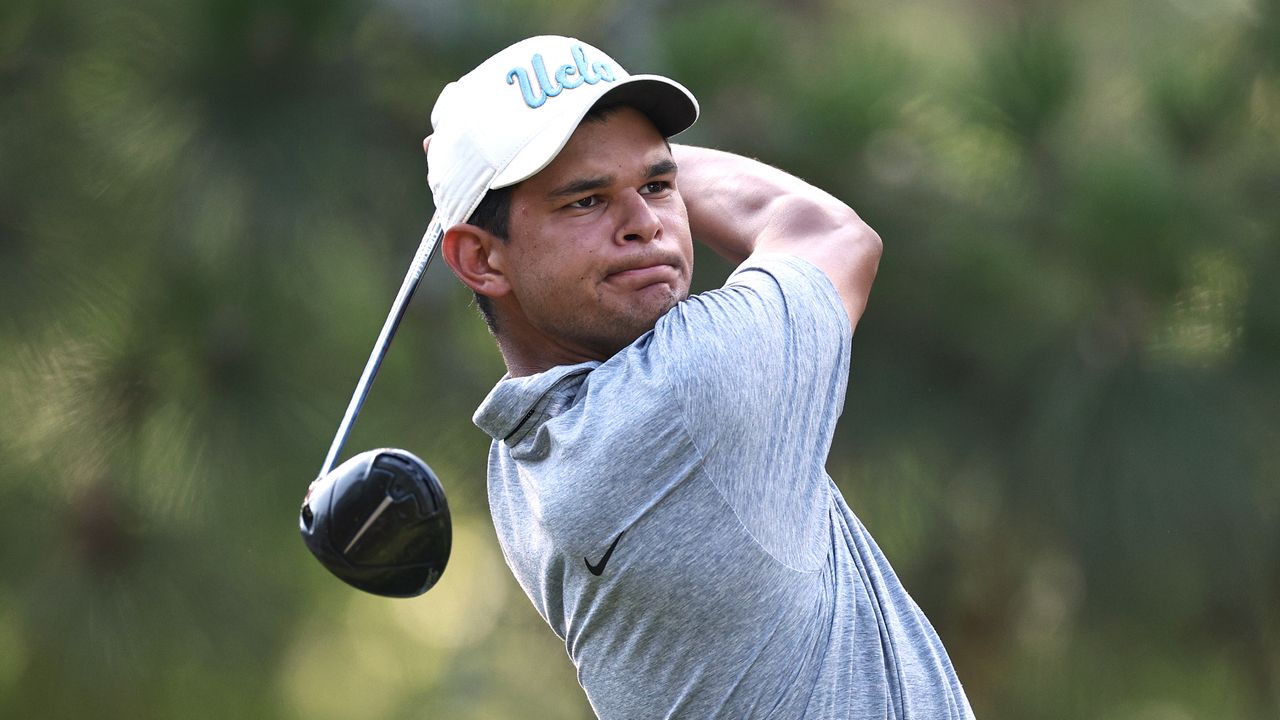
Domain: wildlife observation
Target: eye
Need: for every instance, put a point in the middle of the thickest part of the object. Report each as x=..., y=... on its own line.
x=585, y=203
x=655, y=187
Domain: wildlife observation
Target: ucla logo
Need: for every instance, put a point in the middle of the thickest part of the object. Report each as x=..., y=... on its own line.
x=567, y=77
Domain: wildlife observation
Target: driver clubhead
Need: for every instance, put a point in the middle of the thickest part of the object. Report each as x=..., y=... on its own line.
x=380, y=522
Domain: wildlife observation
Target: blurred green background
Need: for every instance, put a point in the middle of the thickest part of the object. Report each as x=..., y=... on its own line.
x=1063, y=421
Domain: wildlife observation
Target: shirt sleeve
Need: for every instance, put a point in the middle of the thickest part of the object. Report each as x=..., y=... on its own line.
x=759, y=370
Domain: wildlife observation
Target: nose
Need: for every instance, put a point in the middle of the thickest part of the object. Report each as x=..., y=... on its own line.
x=638, y=222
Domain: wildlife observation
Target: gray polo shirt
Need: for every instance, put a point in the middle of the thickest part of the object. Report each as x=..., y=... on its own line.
x=669, y=515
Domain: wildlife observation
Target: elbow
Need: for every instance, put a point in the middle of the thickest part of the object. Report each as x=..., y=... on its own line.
x=868, y=240
x=855, y=262
x=825, y=227
x=870, y=246
x=855, y=236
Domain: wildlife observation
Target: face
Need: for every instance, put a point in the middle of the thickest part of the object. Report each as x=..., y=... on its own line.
x=599, y=245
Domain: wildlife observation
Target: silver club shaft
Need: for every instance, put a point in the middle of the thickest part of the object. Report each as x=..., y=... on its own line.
x=421, y=259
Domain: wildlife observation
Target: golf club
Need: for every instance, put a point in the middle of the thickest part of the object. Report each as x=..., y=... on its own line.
x=380, y=521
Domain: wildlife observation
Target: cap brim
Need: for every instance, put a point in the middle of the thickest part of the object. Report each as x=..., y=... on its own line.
x=667, y=103
x=670, y=105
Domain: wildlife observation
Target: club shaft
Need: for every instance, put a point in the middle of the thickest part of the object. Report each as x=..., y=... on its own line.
x=421, y=259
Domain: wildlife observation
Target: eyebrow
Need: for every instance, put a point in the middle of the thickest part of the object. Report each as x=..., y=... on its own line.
x=582, y=185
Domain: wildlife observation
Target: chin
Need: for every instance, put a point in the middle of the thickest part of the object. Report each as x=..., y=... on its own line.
x=631, y=322
x=639, y=324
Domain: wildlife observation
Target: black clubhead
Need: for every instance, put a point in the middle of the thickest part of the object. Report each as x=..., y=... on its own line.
x=380, y=522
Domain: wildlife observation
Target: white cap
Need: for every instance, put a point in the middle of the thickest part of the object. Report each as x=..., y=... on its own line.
x=508, y=119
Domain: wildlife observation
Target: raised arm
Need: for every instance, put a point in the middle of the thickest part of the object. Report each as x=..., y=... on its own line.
x=739, y=207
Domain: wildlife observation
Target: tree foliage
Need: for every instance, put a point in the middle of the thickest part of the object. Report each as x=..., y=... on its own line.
x=1062, y=421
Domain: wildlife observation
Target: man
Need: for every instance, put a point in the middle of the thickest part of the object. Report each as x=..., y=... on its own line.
x=656, y=475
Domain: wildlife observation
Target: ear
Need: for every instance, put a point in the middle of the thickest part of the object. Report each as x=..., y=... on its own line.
x=476, y=256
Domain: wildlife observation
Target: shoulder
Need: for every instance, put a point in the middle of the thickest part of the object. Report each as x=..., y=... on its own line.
x=771, y=305
x=791, y=278
x=762, y=286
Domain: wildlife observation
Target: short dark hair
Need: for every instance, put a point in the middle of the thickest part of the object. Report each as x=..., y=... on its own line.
x=493, y=214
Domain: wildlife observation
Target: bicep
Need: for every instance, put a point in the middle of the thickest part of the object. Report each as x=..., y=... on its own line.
x=831, y=236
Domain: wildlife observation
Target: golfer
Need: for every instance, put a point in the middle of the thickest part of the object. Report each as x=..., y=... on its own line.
x=656, y=476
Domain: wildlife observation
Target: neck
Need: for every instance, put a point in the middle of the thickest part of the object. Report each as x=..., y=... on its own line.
x=522, y=361
x=528, y=351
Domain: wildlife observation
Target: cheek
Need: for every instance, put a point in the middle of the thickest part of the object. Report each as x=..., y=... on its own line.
x=676, y=225
x=675, y=216
x=554, y=273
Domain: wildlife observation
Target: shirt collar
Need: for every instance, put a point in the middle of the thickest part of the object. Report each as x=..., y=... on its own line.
x=515, y=402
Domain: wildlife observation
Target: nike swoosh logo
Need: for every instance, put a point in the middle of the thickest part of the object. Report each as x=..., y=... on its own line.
x=599, y=569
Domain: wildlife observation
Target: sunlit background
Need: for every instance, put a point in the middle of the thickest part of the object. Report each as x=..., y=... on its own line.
x=1063, y=421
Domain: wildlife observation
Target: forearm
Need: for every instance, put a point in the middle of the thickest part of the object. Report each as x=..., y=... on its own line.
x=737, y=204
x=738, y=207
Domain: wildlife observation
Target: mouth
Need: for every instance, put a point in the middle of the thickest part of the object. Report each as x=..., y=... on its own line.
x=649, y=272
